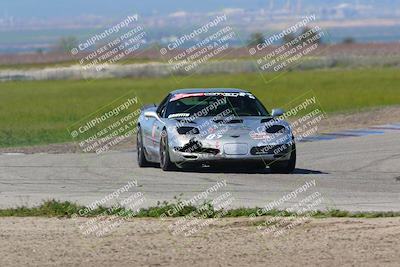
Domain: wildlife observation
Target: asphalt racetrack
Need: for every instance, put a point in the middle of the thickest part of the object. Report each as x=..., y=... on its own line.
x=354, y=174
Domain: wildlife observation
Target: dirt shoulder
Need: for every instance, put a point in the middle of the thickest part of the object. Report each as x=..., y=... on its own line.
x=226, y=242
x=335, y=122
x=367, y=118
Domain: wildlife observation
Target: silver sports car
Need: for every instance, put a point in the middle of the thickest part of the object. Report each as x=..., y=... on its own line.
x=197, y=127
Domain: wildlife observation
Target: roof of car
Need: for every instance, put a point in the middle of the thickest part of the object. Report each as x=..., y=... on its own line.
x=208, y=90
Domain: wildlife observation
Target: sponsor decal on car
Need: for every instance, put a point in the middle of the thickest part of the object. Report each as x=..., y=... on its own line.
x=178, y=115
x=186, y=95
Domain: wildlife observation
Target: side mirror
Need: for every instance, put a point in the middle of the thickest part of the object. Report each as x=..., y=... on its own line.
x=150, y=114
x=276, y=112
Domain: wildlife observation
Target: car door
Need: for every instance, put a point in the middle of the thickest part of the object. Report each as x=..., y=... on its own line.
x=156, y=127
x=146, y=128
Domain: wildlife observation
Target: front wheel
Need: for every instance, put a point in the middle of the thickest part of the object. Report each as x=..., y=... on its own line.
x=165, y=161
x=286, y=166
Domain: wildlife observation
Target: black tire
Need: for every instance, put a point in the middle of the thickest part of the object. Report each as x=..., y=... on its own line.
x=141, y=157
x=287, y=166
x=165, y=161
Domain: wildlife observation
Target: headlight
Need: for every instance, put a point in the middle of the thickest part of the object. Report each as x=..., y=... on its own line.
x=187, y=130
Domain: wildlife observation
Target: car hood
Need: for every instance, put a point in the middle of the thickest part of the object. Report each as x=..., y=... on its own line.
x=230, y=125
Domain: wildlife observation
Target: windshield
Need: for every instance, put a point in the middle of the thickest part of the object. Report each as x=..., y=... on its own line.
x=213, y=104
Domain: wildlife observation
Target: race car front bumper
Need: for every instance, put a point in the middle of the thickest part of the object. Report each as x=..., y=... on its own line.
x=229, y=150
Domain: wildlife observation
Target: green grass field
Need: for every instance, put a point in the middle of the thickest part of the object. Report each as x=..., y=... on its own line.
x=39, y=112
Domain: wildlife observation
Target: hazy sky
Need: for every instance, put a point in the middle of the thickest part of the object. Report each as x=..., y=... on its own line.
x=52, y=8
x=73, y=8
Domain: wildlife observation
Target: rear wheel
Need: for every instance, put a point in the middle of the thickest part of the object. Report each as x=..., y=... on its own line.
x=286, y=166
x=141, y=158
x=165, y=161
